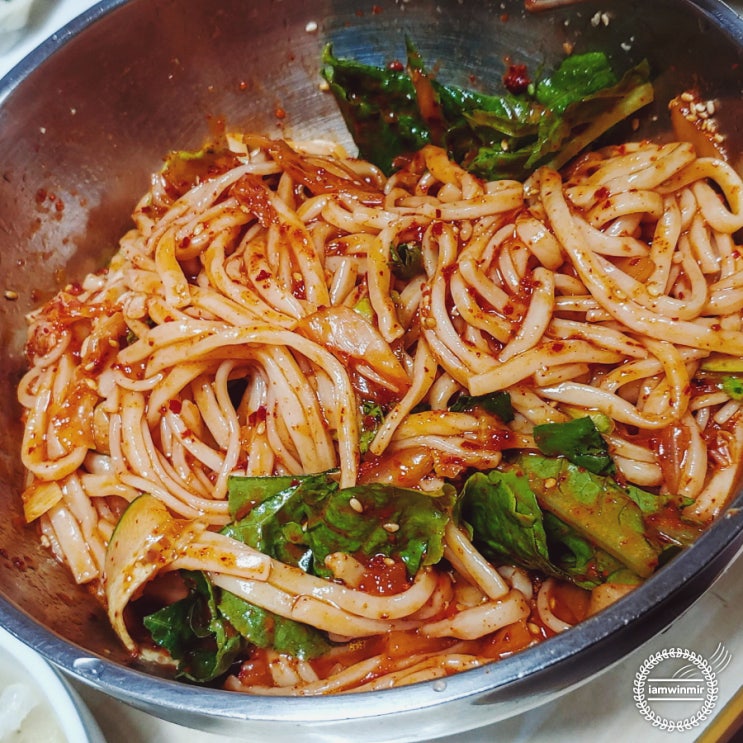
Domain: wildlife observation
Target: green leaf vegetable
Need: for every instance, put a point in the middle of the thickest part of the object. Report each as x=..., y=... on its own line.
x=211, y=628
x=310, y=518
x=406, y=260
x=579, y=441
x=194, y=632
x=372, y=415
x=548, y=514
x=299, y=520
x=391, y=111
x=733, y=386
x=498, y=403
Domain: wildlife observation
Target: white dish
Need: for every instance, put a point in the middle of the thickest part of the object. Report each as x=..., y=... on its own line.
x=35, y=695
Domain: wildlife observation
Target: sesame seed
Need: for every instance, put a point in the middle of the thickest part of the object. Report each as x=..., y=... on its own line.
x=355, y=503
x=10, y=295
x=550, y=482
x=388, y=561
x=391, y=528
x=429, y=322
x=686, y=96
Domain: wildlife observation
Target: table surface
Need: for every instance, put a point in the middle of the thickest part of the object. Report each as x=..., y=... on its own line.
x=713, y=619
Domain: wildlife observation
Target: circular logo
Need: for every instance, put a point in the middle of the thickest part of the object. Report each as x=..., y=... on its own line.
x=675, y=689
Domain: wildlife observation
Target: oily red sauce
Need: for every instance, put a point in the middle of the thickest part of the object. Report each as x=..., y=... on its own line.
x=570, y=602
x=508, y=640
x=384, y=576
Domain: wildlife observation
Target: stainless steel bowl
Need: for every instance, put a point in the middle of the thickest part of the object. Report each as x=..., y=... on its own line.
x=88, y=116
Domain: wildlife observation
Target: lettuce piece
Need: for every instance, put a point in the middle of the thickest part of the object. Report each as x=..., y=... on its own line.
x=578, y=77
x=548, y=514
x=498, y=403
x=210, y=629
x=596, y=506
x=194, y=632
x=579, y=440
x=509, y=526
x=303, y=520
x=372, y=416
x=379, y=106
x=299, y=520
x=264, y=629
x=391, y=112
x=406, y=260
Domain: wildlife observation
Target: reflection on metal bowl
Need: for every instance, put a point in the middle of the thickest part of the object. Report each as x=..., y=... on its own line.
x=89, y=115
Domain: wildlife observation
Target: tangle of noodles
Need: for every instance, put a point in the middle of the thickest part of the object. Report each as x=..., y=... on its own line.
x=601, y=290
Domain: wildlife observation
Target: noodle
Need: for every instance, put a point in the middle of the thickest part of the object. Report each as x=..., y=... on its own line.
x=254, y=322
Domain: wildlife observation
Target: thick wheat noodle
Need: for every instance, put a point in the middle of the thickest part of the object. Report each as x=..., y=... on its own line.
x=472, y=313
x=604, y=243
x=644, y=202
x=647, y=167
x=473, y=622
x=360, y=603
x=72, y=544
x=480, y=570
x=693, y=471
x=308, y=609
x=537, y=317
x=577, y=393
x=545, y=610
x=202, y=353
x=644, y=474
x=616, y=302
x=425, y=670
x=663, y=246
x=642, y=292
x=80, y=505
x=677, y=376
x=424, y=372
x=455, y=446
x=33, y=459
x=711, y=500
x=607, y=336
x=531, y=360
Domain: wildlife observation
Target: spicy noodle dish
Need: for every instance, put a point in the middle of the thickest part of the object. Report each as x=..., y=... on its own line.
x=330, y=423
